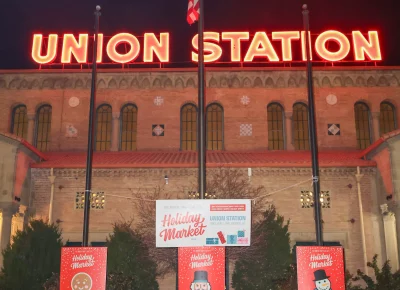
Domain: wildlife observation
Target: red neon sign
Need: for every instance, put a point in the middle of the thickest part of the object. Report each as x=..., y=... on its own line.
x=260, y=47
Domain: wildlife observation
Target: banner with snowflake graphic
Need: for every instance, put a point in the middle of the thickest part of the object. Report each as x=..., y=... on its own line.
x=203, y=222
x=83, y=268
x=320, y=268
x=201, y=268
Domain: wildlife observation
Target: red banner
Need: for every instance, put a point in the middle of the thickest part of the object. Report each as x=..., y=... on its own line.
x=320, y=268
x=83, y=268
x=201, y=268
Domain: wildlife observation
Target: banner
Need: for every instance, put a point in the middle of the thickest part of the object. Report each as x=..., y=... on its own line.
x=320, y=268
x=201, y=268
x=203, y=222
x=83, y=268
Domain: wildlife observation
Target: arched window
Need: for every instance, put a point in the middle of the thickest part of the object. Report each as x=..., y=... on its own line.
x=43, y=126
x=103, y=128
x=275, y=127
x=189, y=127
x=128, y=127
x=387, y=118
x=363, y=131
x=215, y=127
x=301, y=138
x=19, y=121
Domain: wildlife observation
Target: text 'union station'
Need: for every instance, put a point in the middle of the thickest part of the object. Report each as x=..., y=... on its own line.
x=257, y=134
x=260, y=46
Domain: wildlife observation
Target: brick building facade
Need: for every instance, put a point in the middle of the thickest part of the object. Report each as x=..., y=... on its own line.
x=256, y=118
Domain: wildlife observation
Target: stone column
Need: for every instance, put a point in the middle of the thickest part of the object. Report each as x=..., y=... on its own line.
x=389, y=224
x=52, y=179
x=289, y=131
x=375, y=126
x=31, y=128
x=18, y=221
x=115, y=131
x=6, y=215
x=361, y=213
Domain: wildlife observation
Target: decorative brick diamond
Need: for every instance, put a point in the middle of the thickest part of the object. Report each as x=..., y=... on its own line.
x=71, y=131
x=158, y=130
x=158, y=101
x=246, y=129
x=245, y=100
x=334, y=129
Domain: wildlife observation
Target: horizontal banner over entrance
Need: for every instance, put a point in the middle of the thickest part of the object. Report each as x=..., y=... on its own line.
x=191, y=223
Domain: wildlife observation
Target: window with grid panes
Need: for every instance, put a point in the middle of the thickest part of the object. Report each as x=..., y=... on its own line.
x=387, y=118
x=43, y=127
x=103, y=128
x=189, y=127
x=301, y=138
x=215, y=124
x=19, y=121
x=363, y=130
x=128, y=127
x=275, y=127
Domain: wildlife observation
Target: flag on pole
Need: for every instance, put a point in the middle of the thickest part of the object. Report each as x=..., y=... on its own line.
x=193, y=11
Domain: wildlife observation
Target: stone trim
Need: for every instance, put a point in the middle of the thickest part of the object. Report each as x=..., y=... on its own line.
x=28, y=152
x=140, y=172
x=386, y=144
x=215, y=79
x=393, y=140
x=10, y=141
x=18, y=146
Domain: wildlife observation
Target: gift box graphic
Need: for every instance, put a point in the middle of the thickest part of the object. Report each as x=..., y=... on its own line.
x=211, y=241
x=243, y=241
x=232, y=239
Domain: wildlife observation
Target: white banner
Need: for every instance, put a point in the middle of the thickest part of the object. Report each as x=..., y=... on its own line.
x=203, y=222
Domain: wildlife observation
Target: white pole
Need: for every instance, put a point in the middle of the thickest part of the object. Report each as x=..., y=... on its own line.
x=52, y=179
x=358, y=178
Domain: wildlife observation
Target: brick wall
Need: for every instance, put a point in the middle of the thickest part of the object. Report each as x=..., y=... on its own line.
x=226, y=87
x=128, y=182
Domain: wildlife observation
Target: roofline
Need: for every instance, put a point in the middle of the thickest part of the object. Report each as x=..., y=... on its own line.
x=380, y=141
x=191, y=163
x=194, y=69
x=27, y=145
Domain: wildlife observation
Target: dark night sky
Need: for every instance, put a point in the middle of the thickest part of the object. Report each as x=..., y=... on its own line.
x=19, y=19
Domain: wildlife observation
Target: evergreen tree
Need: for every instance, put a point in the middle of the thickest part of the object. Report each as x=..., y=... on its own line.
x=268, y=266
x=129, y=265
x=32, y=258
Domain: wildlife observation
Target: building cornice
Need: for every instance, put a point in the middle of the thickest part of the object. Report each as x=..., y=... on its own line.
x=187, y=78
x=160, y=172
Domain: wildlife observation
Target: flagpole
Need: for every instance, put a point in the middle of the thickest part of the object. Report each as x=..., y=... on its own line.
x=89, y=160
x=201, y=132
x=313, y=133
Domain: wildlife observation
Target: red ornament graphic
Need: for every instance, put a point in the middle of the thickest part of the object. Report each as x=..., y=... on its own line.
x=320, y=268
x=201, y=268
x=83, y=268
